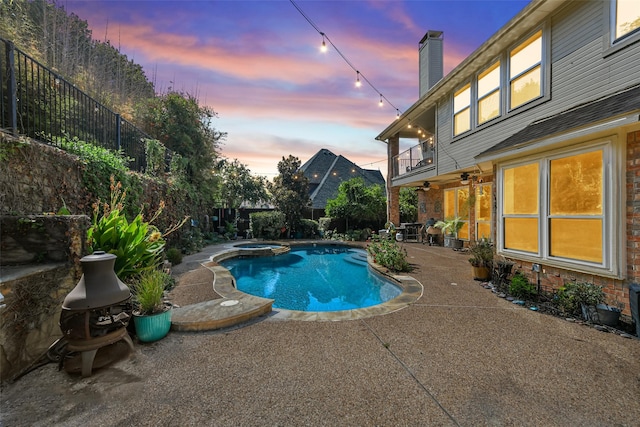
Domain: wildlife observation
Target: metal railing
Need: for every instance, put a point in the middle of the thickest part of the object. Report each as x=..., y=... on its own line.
x=38, y=103
x=418, y=156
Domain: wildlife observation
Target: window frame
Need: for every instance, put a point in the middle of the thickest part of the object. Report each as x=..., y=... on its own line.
x=614, y=25
x=486, y=186
x=542, y=65
x=463, y=88
x=457, y=208
x=497, y=63
x=610, y=238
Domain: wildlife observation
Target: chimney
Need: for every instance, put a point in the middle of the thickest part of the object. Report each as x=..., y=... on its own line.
x=431, y=60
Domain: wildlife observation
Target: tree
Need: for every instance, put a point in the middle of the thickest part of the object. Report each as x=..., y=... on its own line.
x=408, y=204
x=290, y=191
x=183, y=126
x=238, y=185
x=358, y=204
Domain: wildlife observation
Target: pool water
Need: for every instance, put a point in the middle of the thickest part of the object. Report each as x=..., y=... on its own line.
x=313, y=278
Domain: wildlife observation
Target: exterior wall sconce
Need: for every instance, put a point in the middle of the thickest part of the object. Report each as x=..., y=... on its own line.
x=426, y=186
x=464, y=178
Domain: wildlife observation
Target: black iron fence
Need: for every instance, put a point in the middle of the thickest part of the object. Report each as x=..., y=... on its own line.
x=38, y=103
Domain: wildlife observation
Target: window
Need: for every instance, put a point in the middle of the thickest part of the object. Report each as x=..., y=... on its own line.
x=461, y=110
x=456, y=205
x=627, y=17
x=554, y=207
x=489, y=93
x=525, y=71
x=520, y=207
x=483, y=211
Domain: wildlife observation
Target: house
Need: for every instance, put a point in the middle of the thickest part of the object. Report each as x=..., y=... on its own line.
x=325, y=171
x=534, y=140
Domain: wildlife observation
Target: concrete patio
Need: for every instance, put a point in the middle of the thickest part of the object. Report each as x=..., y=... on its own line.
x=458, y=356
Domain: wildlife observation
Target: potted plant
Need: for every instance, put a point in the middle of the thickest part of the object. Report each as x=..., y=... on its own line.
x=481, y=258
x=450, y=228
x=151, y=315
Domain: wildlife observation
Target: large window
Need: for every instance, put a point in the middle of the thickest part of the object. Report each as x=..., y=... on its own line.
x=456, y=204
x=554, y=207
x=525, y=71
x=461, y=110
x=627, y=17
x=489, y=93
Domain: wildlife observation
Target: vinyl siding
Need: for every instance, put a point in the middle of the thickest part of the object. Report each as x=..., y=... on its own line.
x=581, y=71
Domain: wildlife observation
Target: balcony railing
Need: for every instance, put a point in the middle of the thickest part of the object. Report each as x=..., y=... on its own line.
x=417, y=157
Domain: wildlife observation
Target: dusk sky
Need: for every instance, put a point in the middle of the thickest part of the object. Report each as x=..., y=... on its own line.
x=258, y=64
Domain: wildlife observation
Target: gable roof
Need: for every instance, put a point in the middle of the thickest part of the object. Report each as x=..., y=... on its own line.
x=325, y=171
x=624, y=101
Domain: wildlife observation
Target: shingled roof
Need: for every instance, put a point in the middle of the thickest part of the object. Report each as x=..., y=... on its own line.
x=326, y=171
x=625, y=101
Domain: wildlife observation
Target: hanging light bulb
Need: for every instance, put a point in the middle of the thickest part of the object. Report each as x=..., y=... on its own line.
x=358, y=82
x=380, y=104
x=397, y=114
x=409, y=125
x=323, y=48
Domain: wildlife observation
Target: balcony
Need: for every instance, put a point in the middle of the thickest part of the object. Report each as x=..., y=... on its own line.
x=417, y=157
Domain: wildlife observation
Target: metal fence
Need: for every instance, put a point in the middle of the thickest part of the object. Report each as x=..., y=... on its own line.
x=38, y=103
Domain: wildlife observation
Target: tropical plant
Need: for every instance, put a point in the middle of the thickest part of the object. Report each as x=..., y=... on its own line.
x=481, y=253
x=389, y=254
x=137, y=244
x=148, y=292
x=450, y=226
x=573, y=295
x=520, y=287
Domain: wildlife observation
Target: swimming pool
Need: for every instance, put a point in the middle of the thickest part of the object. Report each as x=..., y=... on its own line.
x=313, y=278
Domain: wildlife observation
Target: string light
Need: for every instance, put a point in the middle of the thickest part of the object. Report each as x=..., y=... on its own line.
x=380, y=104
x=324, y=46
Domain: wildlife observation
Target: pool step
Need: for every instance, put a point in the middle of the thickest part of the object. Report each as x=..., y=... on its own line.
x=357, y=257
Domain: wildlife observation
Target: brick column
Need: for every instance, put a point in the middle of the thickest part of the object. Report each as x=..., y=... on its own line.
x=393, y=193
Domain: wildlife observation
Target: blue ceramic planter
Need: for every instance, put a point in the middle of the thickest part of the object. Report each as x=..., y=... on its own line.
x=154, y=327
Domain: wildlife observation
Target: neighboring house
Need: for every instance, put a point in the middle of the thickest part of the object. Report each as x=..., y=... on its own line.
x=534, y=140
x=326, y=171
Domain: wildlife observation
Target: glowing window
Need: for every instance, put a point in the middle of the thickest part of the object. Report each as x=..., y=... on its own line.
x=483, y=211
x=627, y=16
x=576, y=190
x=489, y=93
x=525, y=71
x=456, y=205
x=461, y=110
x=520, y=207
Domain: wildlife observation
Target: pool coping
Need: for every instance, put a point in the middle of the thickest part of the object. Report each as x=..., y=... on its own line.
x=224, y=284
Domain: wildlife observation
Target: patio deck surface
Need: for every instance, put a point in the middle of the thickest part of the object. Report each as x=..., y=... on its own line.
x=459, y=355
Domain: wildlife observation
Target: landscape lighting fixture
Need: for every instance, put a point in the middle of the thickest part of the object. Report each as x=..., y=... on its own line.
x=358, y=82
x=464, y=178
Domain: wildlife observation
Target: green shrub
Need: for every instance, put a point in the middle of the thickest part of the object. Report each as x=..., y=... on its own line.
x=191, y=241
x=174, y=255
x=309, y=228
x=520, y=287
x=573, y=295
x=389, y=254
x=267, y=225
